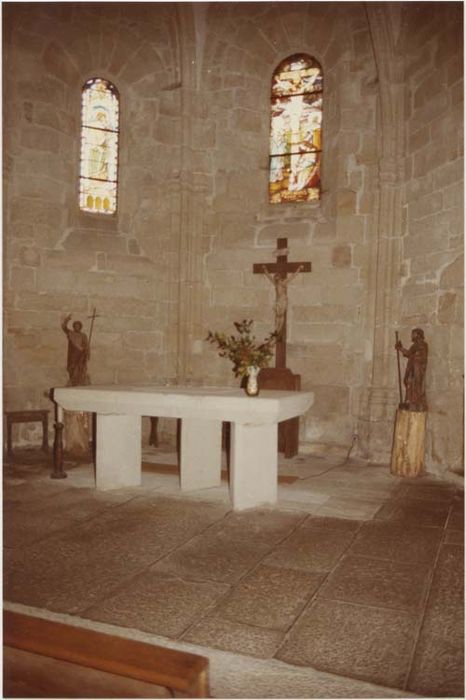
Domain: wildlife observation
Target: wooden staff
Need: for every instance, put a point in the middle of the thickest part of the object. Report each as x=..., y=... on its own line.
x=93, y=317
x=399, y=369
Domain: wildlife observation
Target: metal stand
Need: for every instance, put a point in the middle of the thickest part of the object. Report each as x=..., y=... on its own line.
x=58, y=472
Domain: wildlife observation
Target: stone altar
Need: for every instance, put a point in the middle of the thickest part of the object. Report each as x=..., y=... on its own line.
x=253, y=462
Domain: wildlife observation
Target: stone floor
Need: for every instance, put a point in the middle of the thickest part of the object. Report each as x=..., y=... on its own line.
x=351, y=586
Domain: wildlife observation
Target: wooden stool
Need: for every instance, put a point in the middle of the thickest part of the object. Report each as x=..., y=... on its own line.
x=27, y=417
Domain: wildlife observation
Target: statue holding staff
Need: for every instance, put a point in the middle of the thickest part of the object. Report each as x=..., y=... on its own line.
x=78, y=353
x=415, y=373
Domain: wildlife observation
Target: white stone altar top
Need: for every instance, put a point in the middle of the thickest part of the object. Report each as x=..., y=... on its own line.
x=210, y=403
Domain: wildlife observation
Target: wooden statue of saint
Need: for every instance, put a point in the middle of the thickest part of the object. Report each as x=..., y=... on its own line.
x=77, y=424
x=415, y=373
x=78, y=353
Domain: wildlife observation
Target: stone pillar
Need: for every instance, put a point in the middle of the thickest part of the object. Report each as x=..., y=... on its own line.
x=192, y=191
x=380, y=401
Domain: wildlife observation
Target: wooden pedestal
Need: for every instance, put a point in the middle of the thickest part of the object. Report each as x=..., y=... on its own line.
x=288, y=431
x=408, y=443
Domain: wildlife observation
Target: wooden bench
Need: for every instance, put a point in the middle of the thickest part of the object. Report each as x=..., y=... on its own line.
x=179, y=671
x=29, y=416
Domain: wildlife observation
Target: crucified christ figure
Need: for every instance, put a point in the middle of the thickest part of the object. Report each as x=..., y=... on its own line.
x=281, y=295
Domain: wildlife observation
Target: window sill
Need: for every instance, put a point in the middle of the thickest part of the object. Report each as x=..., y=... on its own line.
x=301, y=211
x=88, y=220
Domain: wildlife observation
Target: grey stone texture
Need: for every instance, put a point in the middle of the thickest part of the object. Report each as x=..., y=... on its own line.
x=385, y=240
x=294, y=603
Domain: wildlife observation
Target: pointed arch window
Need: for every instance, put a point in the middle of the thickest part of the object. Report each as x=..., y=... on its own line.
x=296, y=130
x=99, y=147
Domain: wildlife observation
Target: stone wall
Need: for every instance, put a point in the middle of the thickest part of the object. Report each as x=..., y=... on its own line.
x=328, y=317
x=432, y=280
x=385, y=240
x=59, y=260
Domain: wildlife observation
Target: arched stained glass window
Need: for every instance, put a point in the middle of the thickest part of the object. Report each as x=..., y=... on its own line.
x=99, y=147
x=296, y=130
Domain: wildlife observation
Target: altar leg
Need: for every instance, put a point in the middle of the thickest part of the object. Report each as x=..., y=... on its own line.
x=118, y=451
x=254, y=469
x=201, y=453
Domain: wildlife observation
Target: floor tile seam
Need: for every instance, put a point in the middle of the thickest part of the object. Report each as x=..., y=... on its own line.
x=306, y=605
x=391, y=559
x=113, y=592
x=449, y=517
x=145, y=569
x=422, y=617
x=416, y=612
x=250, y=571
x=318, y=528
x=403, y=520
x=371, y=606
x=302, y=605
x=205, y=614
x=315, y=595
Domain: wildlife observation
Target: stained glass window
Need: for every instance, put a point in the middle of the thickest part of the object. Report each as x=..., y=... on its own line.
x=296, y=130
x=99, y=147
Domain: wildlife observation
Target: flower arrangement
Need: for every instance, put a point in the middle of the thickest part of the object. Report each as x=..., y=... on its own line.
x=244, y=350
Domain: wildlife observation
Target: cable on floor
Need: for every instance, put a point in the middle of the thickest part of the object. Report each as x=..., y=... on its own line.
x=354, y=440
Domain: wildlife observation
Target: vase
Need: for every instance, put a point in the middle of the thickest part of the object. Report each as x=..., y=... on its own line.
x=252, y=385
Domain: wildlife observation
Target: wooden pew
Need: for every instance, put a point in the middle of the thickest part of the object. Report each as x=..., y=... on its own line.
x=75, y=651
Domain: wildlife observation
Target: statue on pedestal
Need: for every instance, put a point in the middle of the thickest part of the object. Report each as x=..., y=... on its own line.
x=415, y=373
x=410, y=425
x=77, y=424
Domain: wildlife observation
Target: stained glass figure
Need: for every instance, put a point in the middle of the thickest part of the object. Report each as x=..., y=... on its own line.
x=296, y=131
x=99, y=147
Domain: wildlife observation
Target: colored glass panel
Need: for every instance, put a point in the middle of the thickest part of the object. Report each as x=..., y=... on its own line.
x=296, y=131
x=99, y=147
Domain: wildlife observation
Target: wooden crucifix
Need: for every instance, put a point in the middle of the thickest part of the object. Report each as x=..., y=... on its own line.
x=277, y=273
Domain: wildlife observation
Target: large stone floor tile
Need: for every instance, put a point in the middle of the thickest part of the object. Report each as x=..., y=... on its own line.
x=454, y=537
x=270, y=597
x=296, y=493
x=65, y=580
x=214, y=557
x=426, y=489
x=397, y=541
x=262, y=525
x=75, y=504
x=25, y=494
x=415, y=511
x=359, y=509
x=379, y=583
x=438, y=666
x=311, y=549
x=456, y=516
x=77, y=567
x=331, y=523
x=219, y=633
x=20, y=531
x=158, y=603
x=371, y=644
